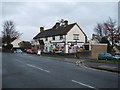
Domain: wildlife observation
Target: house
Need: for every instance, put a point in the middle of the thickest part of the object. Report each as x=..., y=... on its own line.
x=64, y=35
x=15, y=43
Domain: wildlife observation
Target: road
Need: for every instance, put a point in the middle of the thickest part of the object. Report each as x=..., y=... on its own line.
x=32, y=71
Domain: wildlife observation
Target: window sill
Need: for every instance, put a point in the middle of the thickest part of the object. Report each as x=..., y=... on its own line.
x=75, y=39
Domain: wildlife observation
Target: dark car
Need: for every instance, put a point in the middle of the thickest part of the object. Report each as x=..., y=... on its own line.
x=25, y=50
x=105, y=56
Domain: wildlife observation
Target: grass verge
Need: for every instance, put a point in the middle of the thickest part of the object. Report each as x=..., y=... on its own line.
x=104, y=61
x=56, y=55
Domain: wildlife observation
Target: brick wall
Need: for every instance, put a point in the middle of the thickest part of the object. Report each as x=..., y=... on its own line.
x=93, y=54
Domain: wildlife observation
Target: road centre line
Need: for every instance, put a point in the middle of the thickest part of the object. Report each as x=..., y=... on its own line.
x=38, y=68
x=34, y=66
x=84, y=84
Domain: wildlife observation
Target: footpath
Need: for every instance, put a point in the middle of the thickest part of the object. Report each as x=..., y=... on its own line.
x=104, y=66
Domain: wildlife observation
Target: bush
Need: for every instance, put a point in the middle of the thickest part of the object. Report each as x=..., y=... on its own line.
x=7, y=48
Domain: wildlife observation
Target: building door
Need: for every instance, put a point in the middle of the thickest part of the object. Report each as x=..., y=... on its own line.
x=41, y=44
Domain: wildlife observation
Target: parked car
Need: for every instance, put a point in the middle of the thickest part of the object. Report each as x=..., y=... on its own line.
x=117, y=57
x=25, y=50
x=19, y=51
x=45, y=51
x=105, y=56
x=58, y=51
x=30, y=51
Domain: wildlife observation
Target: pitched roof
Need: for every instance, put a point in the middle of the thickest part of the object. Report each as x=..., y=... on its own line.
x=54, y=32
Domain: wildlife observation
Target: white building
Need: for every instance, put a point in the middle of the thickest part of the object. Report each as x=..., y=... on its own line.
x=64, y=35
x=15, y=43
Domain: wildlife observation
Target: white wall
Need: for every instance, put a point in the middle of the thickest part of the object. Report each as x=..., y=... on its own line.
x=15, y=43
x=75, y=30
x=35, y=42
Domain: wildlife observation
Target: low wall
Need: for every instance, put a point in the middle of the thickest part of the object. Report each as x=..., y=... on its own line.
x=93, y=53
x=85, y=55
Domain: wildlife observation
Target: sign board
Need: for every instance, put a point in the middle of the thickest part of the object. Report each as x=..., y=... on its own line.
x=73, y=43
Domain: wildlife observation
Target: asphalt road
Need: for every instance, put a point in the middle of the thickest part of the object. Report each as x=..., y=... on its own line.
x=32, y=71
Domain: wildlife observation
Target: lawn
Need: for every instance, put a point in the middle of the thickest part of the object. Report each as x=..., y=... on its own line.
x=104, y=61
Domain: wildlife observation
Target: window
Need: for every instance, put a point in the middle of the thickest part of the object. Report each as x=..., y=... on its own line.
x=76, y=36
x=61, y=37
x=46, y=39
x=53, y=38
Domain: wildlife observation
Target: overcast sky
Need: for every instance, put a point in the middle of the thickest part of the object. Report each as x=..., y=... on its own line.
x=29, y=16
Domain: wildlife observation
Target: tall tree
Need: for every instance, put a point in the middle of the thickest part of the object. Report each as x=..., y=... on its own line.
x=9, y=32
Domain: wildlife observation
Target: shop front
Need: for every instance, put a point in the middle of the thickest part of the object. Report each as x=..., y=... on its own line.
x=62, y=47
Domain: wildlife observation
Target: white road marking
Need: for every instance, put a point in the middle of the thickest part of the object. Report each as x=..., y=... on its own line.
x=84, y=84
x=34, y=66
x=38, y=68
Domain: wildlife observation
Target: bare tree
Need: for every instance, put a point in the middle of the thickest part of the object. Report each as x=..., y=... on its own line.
x=99, y=31
x=113, y=31
x=109, y=30
x=9, y=32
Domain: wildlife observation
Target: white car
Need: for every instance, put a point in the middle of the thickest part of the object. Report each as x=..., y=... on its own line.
x=117, y=57
x=19, y=51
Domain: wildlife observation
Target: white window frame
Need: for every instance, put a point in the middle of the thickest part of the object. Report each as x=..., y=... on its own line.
x=76, y=37
x=46, y=38
x=53, y=37
x=61, y=37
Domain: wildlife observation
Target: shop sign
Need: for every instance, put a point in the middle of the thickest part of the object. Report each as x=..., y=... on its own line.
x=74, y=43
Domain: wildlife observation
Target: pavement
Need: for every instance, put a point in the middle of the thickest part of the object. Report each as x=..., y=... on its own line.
x=32, y=71
x=104, y=66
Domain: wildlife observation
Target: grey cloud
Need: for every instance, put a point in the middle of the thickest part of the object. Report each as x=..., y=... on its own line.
x=28, y=15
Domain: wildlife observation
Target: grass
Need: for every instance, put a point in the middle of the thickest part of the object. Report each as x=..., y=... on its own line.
x=104, y=61
x=56, y=55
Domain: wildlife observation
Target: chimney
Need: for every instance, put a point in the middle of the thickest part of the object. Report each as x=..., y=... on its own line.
x=93, y=36
x=56, y=25
x=65, y=23
x=41, y=29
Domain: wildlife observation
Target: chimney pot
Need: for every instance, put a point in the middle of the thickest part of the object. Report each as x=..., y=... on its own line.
x=41, y=29
x=56, y=25
x=65, y=23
